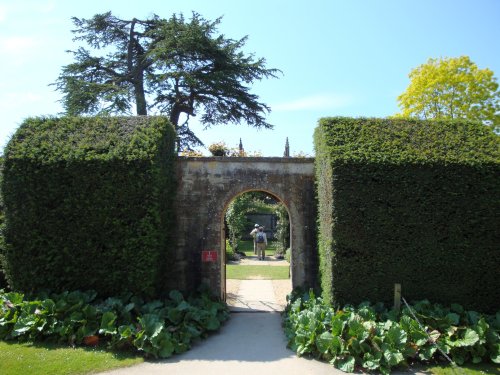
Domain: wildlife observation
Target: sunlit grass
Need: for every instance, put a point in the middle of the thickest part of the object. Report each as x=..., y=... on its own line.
x=467, y=369
x=247, y=247
x=36, y=359
x=241, y=272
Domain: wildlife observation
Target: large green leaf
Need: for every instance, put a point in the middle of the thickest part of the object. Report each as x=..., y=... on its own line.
x=470, y=337
x=183, y=306
x=478, y=352
x=151, y=324
x=337, y=345
x=180, y=347
x=458, y=358
x=481, y=329
x=419, y=338
x=354, y=346
x=372, y=361
x=13, y=298
x=367, y=313
x=212, y=324
x=425, y=353
x=108, y=326
x=48, y=306
x=338, y=324
x=24, y=324
x=495, y=353
x=126, y=332
x=175, y=315
x=473, y=317
x=176, y=296
x=166, y=346
x=395, y=337
x=77, y=317
x=357, y=329
x=346, y=364
x=453, y=319
x=393, y=357
x=90, y=313
x=324, y=341
x=152, y=307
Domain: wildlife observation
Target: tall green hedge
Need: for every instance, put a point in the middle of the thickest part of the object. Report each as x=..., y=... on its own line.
x=409, y=202
x=88, y=204
x=3, y=281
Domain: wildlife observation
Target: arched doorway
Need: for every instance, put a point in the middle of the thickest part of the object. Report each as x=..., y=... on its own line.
x=240, y=264
x=205, y=188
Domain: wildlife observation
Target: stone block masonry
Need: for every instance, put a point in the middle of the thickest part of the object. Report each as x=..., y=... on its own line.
x=206, y=186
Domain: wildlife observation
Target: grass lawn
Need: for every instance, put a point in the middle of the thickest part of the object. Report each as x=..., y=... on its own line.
x=240, y=272
x=467, y=369
x=247, y=247
x=41, y=358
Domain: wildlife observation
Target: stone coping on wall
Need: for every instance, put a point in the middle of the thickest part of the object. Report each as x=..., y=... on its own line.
x=245, y=159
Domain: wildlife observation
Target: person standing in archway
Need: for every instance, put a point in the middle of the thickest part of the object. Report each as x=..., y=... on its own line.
x=261, y=241
x=253, y=233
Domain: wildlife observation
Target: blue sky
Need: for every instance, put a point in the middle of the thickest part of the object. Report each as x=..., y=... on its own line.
x=339, y=58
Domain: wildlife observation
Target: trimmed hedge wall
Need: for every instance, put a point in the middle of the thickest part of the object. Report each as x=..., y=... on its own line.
x=88, y=204
x=3, y=281
x=410, y=202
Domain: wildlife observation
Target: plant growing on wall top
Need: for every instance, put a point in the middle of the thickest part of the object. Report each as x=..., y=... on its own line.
x=218, y=149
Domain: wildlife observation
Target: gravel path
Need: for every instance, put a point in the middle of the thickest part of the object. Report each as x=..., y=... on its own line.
x=281, y=288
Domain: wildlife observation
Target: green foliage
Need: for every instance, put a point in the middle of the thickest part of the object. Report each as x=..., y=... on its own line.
x=282, y=229
x=236, y=218
x=184, y=66
x=218, y=149
x=261, y=203
x=288, y=255
x=374, y=338
x=221, y=149
x=88, y=204
x=236, y=214
x=409, y=202
x=158, y=328
x=452, y=88
x=230, y=254
x=3, y=280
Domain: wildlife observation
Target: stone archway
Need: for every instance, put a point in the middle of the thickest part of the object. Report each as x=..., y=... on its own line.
x=222, y=259
x=205, y=188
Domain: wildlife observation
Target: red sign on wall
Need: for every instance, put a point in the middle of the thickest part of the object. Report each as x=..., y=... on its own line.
x=209, y=256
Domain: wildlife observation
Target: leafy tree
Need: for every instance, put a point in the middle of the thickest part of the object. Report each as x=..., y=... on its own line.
x=449, y=88
x=163, y=66
x=236, y=214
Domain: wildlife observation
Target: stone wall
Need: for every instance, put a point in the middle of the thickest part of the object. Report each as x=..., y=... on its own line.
x=205, y=188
